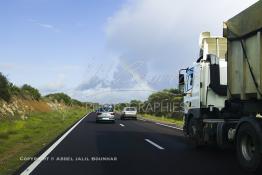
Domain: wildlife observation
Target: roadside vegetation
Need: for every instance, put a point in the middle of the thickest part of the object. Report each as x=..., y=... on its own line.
x=63, y=98
x=164, y=119
x=9, y=90
x=4, y=88
x=24, y=138
x=30, y=121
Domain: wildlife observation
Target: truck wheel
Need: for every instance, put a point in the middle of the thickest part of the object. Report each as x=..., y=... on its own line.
x=193, y=133
x=248, y=154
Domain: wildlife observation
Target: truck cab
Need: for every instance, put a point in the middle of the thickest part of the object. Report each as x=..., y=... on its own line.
x=204, y=84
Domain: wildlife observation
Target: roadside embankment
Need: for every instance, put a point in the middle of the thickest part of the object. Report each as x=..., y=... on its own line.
x=27, y=126
x=162, y=119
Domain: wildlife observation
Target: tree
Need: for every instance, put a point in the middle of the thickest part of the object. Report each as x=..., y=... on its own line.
x=30, y=92
x=77, y=102
x=4, y=88
x=60, y=97
x=162, y=103
x=166, y=102
x=14, y=90
x=173, y=91
x=121, y=106
x=136, y=103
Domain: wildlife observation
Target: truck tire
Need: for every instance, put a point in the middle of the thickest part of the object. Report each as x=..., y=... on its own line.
x=193, y=133
x=247, y=144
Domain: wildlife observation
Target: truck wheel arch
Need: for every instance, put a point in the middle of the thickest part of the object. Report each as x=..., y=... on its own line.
x=254, y=123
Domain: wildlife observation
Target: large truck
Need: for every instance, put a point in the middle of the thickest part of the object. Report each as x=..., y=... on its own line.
x=223, y=89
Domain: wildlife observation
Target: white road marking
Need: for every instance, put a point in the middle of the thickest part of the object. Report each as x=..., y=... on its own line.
x=121, y=125
x=50, y=149
x=141, y=119
x=169, y=126
x=154, y=144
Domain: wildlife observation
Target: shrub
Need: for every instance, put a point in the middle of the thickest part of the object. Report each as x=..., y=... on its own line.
x=14, y=90
x=77, y=102
x=4, y=88
x=60, y=97
x=29, y=91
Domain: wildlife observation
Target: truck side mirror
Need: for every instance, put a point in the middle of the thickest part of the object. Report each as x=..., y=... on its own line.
x=181, y=82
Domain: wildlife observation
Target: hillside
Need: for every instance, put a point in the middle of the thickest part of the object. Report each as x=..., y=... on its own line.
x=19, y=102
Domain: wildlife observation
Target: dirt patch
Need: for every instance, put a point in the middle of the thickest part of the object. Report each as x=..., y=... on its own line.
x=39, y=106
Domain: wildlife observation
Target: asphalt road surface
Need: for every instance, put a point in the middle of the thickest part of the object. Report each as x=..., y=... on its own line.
x=132, y=147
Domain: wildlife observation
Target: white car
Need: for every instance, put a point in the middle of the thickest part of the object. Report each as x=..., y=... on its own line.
x=105, y=114
x=129, y=113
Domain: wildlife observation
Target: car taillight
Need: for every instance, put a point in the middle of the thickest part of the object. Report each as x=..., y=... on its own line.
x=112, y=113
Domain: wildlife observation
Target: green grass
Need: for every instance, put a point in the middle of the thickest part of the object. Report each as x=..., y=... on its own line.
x=163, y=119
x=27, y=137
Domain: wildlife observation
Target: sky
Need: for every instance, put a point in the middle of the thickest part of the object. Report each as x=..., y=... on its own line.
x=105, y=51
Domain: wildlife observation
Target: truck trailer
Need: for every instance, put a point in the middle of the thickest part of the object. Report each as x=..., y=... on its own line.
x=223, y=89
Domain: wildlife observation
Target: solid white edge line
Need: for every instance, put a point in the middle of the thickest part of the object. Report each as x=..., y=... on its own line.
x=121, y=125
x=32, y=166
x=169, y=126
x=154, y=144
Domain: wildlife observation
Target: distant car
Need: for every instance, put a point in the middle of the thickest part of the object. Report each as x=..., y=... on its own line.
x=129, y=113
x=105, y=114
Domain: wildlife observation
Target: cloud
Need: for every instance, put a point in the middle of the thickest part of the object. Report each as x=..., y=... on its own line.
x=49, y=26
x=109, y=95
x=152, y=40
x=44, y=25
x=92, y=83
x=126, y=84
x=163, y=34
x=53, y=87
x=58, y=85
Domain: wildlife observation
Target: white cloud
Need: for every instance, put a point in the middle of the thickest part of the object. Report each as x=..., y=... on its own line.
x=44, y=25
x=55, y=86
x=109, y=95
x=166, y=31
x=92, y=83
x=162, y=35
x=49, y=26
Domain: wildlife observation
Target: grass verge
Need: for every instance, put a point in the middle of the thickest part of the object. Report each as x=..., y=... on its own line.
x=27, y=137
x=163, y=119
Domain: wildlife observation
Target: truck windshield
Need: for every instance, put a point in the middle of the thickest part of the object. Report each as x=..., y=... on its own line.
x=189, y=79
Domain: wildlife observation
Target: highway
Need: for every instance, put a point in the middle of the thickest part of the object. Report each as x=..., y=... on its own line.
x=131, y=147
